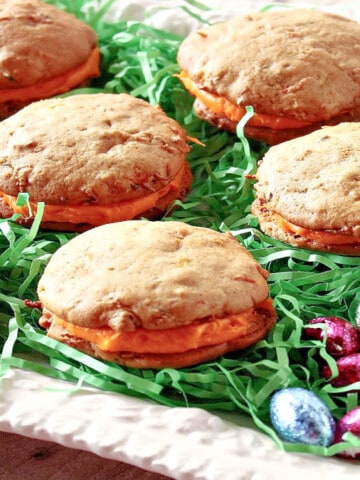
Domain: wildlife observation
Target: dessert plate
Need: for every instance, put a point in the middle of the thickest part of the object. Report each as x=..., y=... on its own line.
x=183, y=443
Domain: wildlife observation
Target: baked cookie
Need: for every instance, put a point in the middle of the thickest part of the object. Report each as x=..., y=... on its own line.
x=155, y=294
x=298, y=69
x=92, y=159
x=308, y=190
x=44, y=51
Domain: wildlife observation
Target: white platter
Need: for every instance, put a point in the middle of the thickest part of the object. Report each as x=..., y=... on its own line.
x=183, y=443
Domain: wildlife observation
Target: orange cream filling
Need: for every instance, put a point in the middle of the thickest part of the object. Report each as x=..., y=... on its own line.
x=53, y=86
x=95, y=214
x=223, y=106
x=321, y=236
x=171, y=340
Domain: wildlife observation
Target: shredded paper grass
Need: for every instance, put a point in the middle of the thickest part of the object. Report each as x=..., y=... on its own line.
x=141, y=60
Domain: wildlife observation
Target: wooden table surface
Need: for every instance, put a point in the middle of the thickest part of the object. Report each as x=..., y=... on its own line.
x=23, y=458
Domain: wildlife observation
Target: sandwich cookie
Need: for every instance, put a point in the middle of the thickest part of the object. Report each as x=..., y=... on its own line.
x=308, y=190
x=155, y=294
x=44, y=51
x=92, y=159
x=298, y=69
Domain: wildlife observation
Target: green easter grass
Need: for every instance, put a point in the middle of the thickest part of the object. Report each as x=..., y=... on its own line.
x=141, y=60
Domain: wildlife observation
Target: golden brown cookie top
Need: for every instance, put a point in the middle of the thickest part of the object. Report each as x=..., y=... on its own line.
x=294, y=62
x=39, y=42
x=151, y=274
x=95, y=148
x=314, y=181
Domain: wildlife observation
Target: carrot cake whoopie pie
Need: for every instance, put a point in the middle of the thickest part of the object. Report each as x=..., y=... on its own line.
x=155, y=294
x=308, y=190
x=44, y=51
x=92, y=159
x=298, y=68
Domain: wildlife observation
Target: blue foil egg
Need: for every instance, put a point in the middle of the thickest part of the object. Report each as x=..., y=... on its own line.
x=300, y=416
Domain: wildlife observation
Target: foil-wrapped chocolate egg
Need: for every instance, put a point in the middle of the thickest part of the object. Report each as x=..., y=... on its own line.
x=348, y=371
x=350, y=422
x=342, y=338
x=300, y=416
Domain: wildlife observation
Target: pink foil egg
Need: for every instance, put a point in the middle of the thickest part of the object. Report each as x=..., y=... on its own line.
x=342, y=338
x=349, y=370
x=350, y=422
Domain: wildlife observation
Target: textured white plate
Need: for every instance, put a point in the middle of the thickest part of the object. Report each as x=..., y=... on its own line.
x=183, y=443
x=175, y=19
